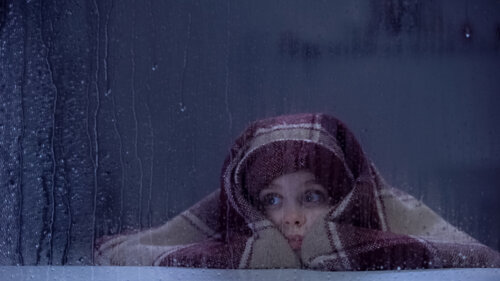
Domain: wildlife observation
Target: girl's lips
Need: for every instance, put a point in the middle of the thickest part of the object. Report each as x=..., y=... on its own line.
x=295, y=241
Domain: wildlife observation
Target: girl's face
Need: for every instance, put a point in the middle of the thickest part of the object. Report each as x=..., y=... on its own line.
x=293, y=202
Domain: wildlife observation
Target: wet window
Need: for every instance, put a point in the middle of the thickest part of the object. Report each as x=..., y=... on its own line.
x=117, y=116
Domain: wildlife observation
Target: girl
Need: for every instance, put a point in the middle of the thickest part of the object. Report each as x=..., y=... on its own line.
x=297, y=191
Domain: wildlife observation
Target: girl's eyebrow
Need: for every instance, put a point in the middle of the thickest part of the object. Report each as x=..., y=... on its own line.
x=266, y=191
x=271, y=186
x=311, y=181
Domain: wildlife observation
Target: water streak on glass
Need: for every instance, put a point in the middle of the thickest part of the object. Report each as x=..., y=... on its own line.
x=226, y=66
x=46, y=42
x=182, y=104
x=20, y=193
x=136, y=121
x=95, y=157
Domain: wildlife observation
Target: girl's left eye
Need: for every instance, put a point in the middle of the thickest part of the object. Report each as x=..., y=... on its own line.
x=314, y=196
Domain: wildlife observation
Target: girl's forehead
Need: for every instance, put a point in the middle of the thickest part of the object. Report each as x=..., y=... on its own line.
x=296, y=180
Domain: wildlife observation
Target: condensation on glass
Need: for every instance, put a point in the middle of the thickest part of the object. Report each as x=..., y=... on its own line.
x=116, y=115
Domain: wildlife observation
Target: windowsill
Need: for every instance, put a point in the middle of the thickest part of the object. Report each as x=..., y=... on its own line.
x=131, y=273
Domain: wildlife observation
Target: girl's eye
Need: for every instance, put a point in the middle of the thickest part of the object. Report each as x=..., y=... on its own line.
x=314, y=196
x=270, y=200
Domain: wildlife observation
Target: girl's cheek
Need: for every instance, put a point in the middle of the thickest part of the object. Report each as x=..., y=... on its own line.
x=273, y=216
x=317, y=213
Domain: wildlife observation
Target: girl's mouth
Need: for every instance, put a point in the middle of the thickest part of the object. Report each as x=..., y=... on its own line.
x=295, y=241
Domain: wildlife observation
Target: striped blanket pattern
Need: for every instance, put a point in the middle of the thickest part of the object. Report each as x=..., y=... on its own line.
x=370, y=225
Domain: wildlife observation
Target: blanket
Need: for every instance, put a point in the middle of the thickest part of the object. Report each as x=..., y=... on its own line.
x=369, y=224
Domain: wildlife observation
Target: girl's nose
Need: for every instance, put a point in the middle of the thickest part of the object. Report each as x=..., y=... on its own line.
x=294, y=216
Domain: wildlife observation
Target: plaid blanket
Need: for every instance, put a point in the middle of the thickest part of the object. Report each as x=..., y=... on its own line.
x=369, y=226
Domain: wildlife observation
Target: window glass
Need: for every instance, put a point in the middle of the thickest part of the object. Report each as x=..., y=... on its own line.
x=116, y=116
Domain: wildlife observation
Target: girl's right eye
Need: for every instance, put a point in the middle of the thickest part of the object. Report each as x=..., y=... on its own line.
x=270, y=200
